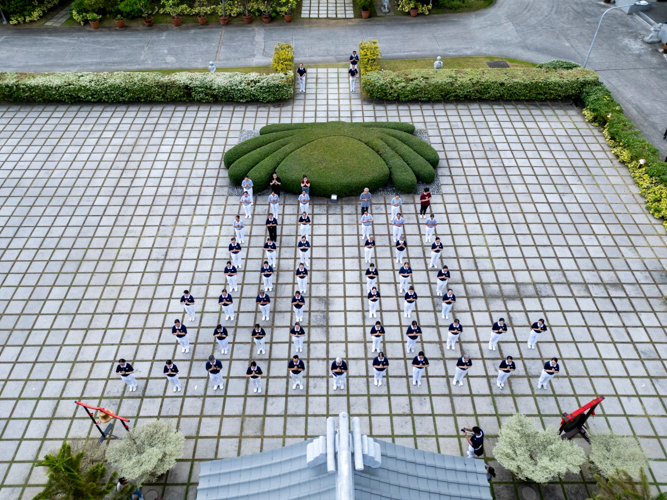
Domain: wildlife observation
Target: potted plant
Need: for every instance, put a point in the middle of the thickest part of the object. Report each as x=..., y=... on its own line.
x=266, y=9
x=365, y=6
x=223, y=15
x=120, y=21
x=285, y=8
x=94, y=20
x=414, y=10
x=174, y=10
x=201, y=17
x=245, y=6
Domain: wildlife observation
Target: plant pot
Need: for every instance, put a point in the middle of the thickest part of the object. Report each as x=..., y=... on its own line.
x=224, y=19
x=414, y=12
x=365, y=13
x=266, y=18
x=288, y=18
x=94, y=24
x=176, y=20
x=247, y=19
x=202, y=20
x=119, y=24
x=148, y=21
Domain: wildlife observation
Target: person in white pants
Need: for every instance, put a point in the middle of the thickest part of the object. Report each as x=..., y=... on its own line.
x=443, y=279
x=254, y=373
x=274, y=203
x=398, y=222
x=371, y=277
x=366, y=222
x=353, y=77
x=227, y=303
x=419, y=365
x=377, y=332
x=271, y=252
x=475, y=441
x=550, y=370
x=373, y=302
x=235, y=253
x=339, y=372
x=301, y=75
x=181, y=334
x=238, y=228
x=538, y=328
x=302, y=277
x=431, y=224
x=436, y=250
x=401, y=245
x=126, y=372
x=214, y=367
x=188, y=302
x=264, y=303
x=304, y=224
x=231, y=274
x=368, y=249
x=448, y=301
x=413, y=333
x=259, y=336
x=455, y=329
x=247, y=186
x=396, y=204
x=298, y=303
x=266, y=271
x=304, y=202
x=505, y=369
x=171, y=372
x=380, y=365
x=246, y=203
x=304, y=250
x=410, y=302
x=296, y=367
x=298, y=334
x=404, y=275
x=499, y=327
x=462, y=366
x=222, y=338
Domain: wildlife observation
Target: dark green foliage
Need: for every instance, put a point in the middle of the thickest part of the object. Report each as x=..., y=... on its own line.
x=454, y=4
x=251, y=145
x=408, y=128
x=557, y=64
x=424, y=150
x=621, y=486
x=281, y=127
x=240, y=168
x=402, y=175
x=131, y=9
x=599, y=103
x=421, y=168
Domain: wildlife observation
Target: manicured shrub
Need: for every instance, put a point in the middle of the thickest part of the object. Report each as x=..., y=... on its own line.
x=558, y=64
x=401, y=174
x=281, y=127
x=420, y=167
x=25, y=11
x=144, y=87
x=423, y=149
x=610, y=452
x=487, y=84
x=369, y=55
x=283, y=58
x=240, y=168
x=408, y=128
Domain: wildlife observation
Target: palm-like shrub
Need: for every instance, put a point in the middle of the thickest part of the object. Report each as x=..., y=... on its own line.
x=621, y=486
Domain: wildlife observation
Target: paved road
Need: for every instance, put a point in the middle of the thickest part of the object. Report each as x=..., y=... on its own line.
x=524, y=29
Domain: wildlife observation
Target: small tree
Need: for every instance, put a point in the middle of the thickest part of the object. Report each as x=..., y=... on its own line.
x=68, y=479
x=147, y=452
x=535, y=455
x=610, y=452
x=621, y=486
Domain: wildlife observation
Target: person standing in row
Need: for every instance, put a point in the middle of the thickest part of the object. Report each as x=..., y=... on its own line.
x=538, y=328
x=259, y=336
x=353, y=77
x=304, y=224
x=401, y=245
x=443, y=279
x=455, y=329
x=550, y=370
x=338, y=372
x=413, y=333
x=231, y=273
x=271, y=252
x=227, y=302
x=373, y=302
x=365, y=199
x=410, y=302
x=181, y=333
x=266, y=271
x=366, y=224
x=239, y=226
x=246, y=203
x=274, y=203
x=499, y=328
x=448, y=301
x=214, y=367
x=222, y=338
x=302, y=277
x=431, y=224
x=380, y=365
x=305, y=185
x=377, y=332
x=296, y=367
x=396, y=205
x=127, y=374
x=171, y=371
x=354, y=59
x=304, y=250
x=368, y=250
x=436, y=249
x=235, y=253
x=272, y=226
x=405, y=275
x=254, y=372
x=188, y=302
x=247, y=186
x=462, y=366
x=264, y=303
x=505, y=369
x=298, y=334
x=304, y=201
x=274, y=186
x=419, y=365
x=425, y=202
x=371, y=277
x=301, y=73
x=298, y=302
x=398, y=222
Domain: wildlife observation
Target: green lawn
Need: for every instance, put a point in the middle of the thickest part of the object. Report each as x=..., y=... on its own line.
x=449, y=63
x=262, y=70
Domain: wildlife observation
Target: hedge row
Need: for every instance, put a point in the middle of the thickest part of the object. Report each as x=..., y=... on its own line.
x=117, y=87
x=474, y=84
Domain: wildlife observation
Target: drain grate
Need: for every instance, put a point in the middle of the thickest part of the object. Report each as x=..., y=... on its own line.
x=497, y=64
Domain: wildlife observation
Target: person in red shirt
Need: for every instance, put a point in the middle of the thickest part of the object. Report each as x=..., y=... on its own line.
x=425, y=200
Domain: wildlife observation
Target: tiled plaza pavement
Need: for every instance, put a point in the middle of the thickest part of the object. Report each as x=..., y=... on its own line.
x=109, y=212
x=327, y=8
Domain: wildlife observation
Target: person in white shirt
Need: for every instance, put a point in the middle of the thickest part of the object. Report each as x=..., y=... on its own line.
x=246, y=203
x=247, y=186
x=431, y=224
x=396, y=204
x=398, y=222
x=304, y=202
x=239, y=226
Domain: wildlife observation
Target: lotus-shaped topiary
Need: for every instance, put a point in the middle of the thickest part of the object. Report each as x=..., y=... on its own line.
x=337, y=157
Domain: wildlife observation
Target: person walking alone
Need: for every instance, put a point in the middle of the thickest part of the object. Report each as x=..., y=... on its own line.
x=301, y=74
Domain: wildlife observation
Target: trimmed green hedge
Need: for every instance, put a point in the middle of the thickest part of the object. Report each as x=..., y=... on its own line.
x=144, y=87
x=463, y=84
